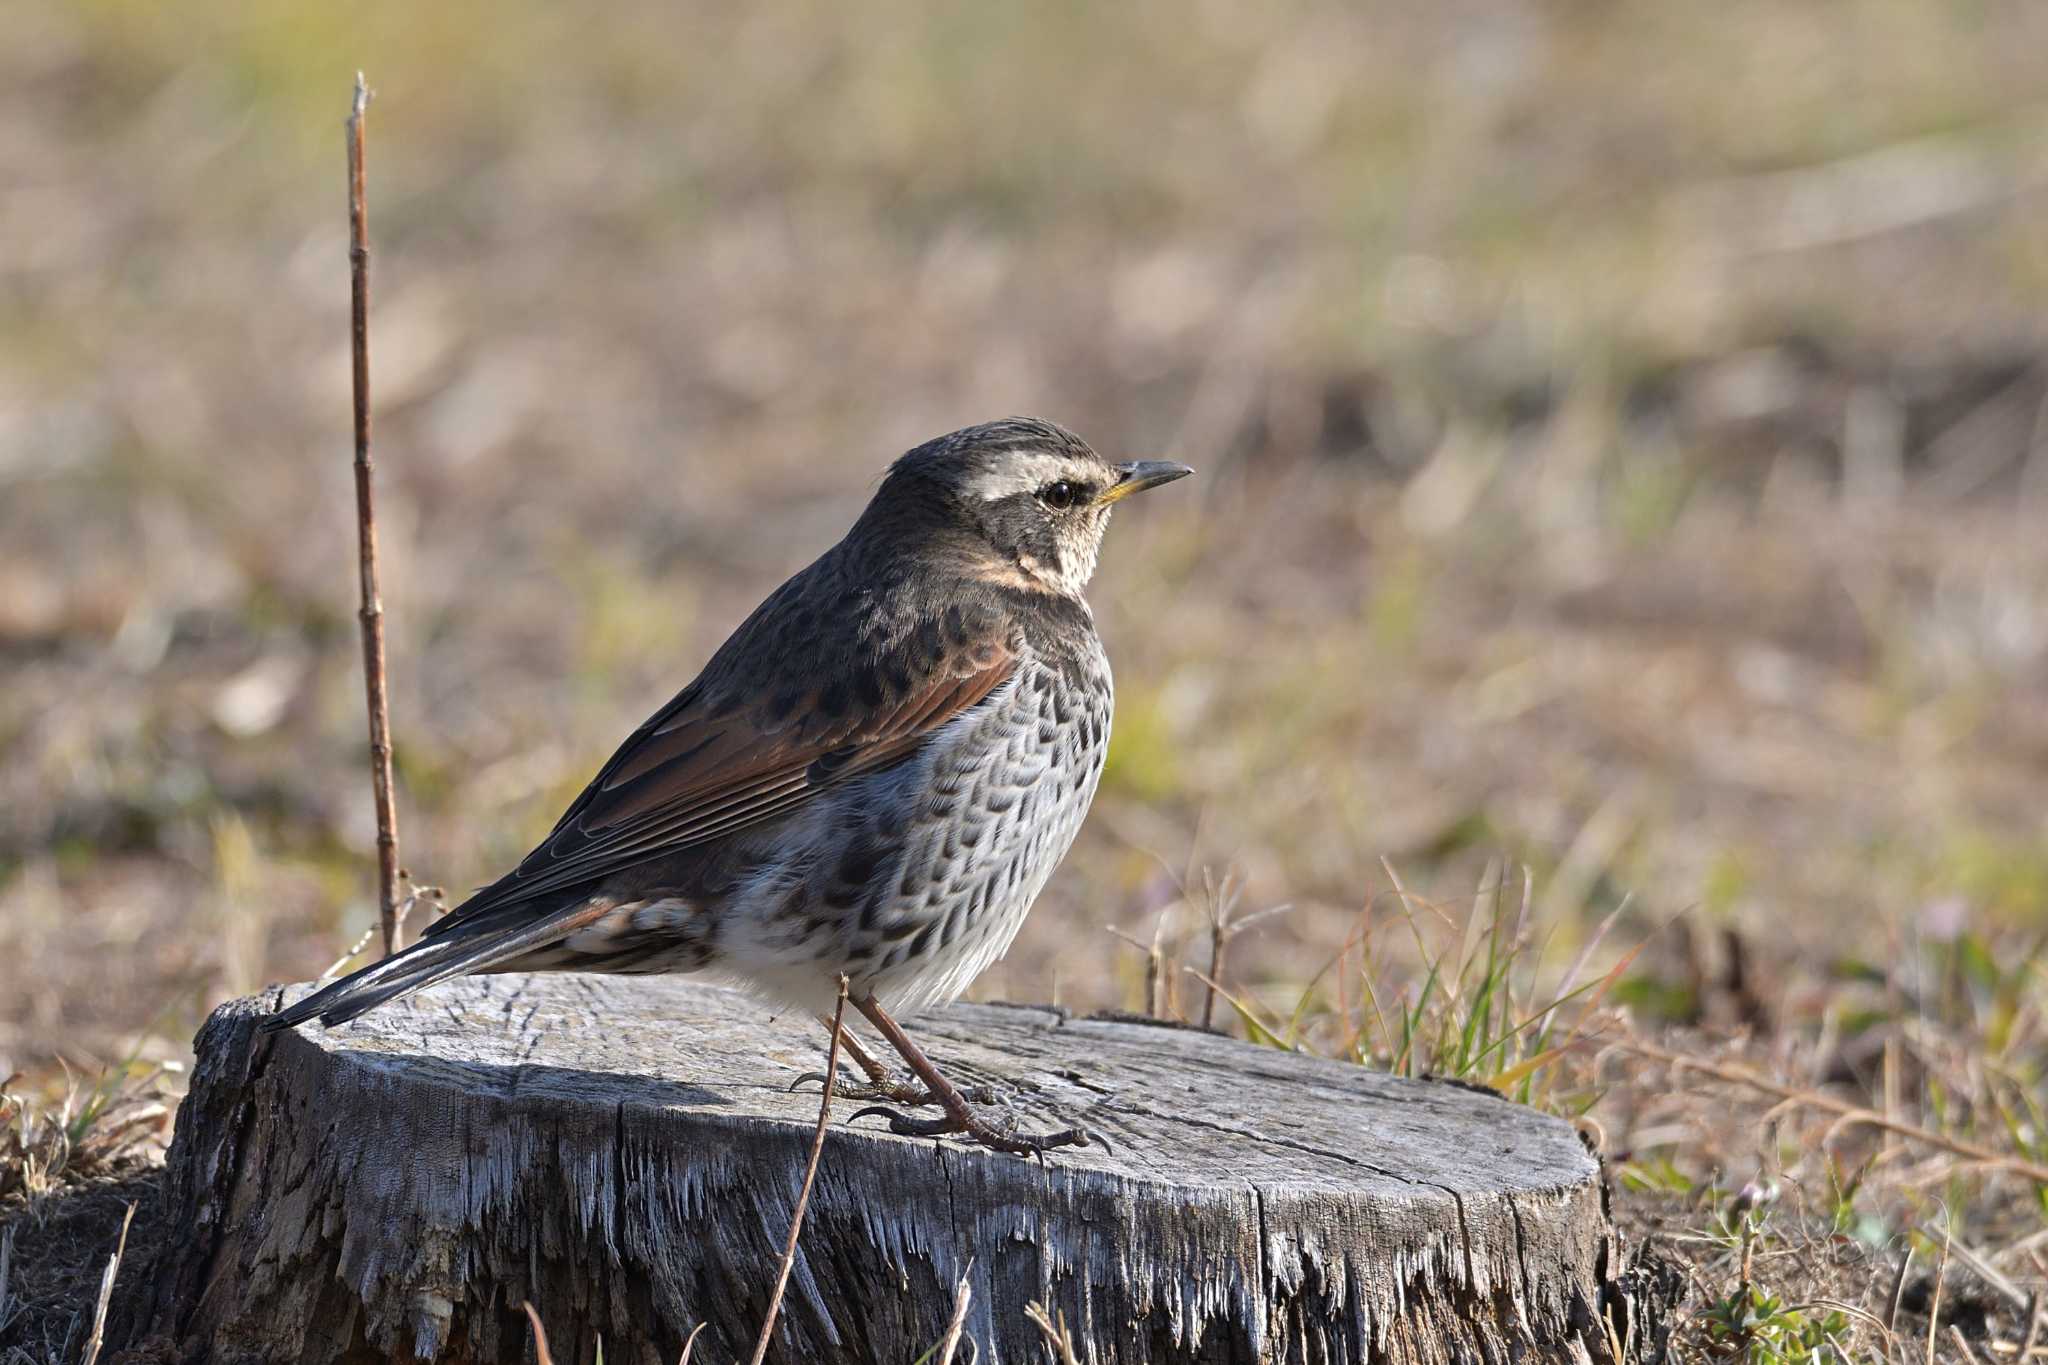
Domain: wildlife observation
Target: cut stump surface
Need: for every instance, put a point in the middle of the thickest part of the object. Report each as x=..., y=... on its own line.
x=625, y=1153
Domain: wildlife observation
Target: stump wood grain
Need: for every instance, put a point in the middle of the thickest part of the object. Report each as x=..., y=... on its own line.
x=625, y=1154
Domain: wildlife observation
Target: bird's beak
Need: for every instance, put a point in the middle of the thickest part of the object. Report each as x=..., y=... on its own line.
x=1139, y=475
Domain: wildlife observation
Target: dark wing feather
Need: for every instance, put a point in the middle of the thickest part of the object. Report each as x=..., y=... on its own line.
x=700, y=770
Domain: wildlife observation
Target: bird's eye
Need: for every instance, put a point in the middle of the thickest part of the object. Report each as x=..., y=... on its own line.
x=1059, y=496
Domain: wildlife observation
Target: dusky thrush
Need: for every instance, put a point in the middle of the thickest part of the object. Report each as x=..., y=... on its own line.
x=873, y=777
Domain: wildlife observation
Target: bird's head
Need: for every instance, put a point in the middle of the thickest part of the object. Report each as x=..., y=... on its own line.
x=1028, y=498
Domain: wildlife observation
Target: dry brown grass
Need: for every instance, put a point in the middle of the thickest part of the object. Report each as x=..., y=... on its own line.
x=1621, y=456
x=80, y=1133
x=1845, y=1174
x=76, y=1166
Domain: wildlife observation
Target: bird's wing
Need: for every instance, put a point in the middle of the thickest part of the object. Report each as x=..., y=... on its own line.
x=699, y=770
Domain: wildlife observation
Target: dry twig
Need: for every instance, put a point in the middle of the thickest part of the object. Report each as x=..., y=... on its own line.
x=372, y=611
x=1058, y=1339
x=950, y=1343
x=1155, y=966
x=541, y=1354
x=1847, y=1115
x=1898, y=1294
x=435, y=899
x=1940, y=1280
x=99, y=1312
x=1221, y=901
x=1990, y=1276
x=803, y=1195
x=1221, y=898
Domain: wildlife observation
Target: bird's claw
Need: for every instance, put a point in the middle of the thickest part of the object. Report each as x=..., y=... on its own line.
x=981, y=1131
x=900, y=1124
x=897, y=1089
x=809, y=1077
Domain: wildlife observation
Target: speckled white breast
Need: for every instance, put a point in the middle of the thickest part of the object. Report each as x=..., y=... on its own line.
x=962, y=840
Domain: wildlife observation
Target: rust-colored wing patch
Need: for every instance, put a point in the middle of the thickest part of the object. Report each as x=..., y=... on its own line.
x=698, y=771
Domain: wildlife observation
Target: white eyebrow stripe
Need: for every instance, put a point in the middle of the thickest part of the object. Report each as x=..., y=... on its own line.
x=1028, y=474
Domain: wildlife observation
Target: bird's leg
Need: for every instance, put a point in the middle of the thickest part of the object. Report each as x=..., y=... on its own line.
x=883, y=1082
x=877, y=1073
x=959, y=1118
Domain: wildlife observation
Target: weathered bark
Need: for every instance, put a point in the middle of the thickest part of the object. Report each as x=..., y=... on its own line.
x=625, y=1154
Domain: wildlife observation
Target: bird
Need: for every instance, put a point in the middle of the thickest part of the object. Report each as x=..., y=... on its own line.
x=872, y=779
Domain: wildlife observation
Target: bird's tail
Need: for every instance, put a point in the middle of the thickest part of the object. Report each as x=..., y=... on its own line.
x=455, y=948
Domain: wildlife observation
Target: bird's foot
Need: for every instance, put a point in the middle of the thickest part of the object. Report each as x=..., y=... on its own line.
x=976, y=1129
x=897, y=1089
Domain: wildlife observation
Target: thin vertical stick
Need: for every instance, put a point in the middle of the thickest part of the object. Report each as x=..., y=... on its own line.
x=1948, y=1233
x=949, y=1345
x=803, y=1195
x=99, y=1314
x=372, y=613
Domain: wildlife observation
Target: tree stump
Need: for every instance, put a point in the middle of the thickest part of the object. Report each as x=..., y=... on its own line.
x=625, y=1153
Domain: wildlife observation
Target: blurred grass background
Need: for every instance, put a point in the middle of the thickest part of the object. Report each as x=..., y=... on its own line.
x=1619, y=430
x=1620, y=435
x=1621, y=445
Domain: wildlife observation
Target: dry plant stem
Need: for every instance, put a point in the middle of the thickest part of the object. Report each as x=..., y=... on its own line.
x=1940, y=1280
x=1990, y=1275
x=1219, y=943
x=1157, y=983
x=950, y=1343
x=372, y=612
x=1059, y=1342
x=1897, y=1296
x=803, y=1194
x=99, y=1316
x=541, y=1354
x=1155, y=1006
x=1847, y=1115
